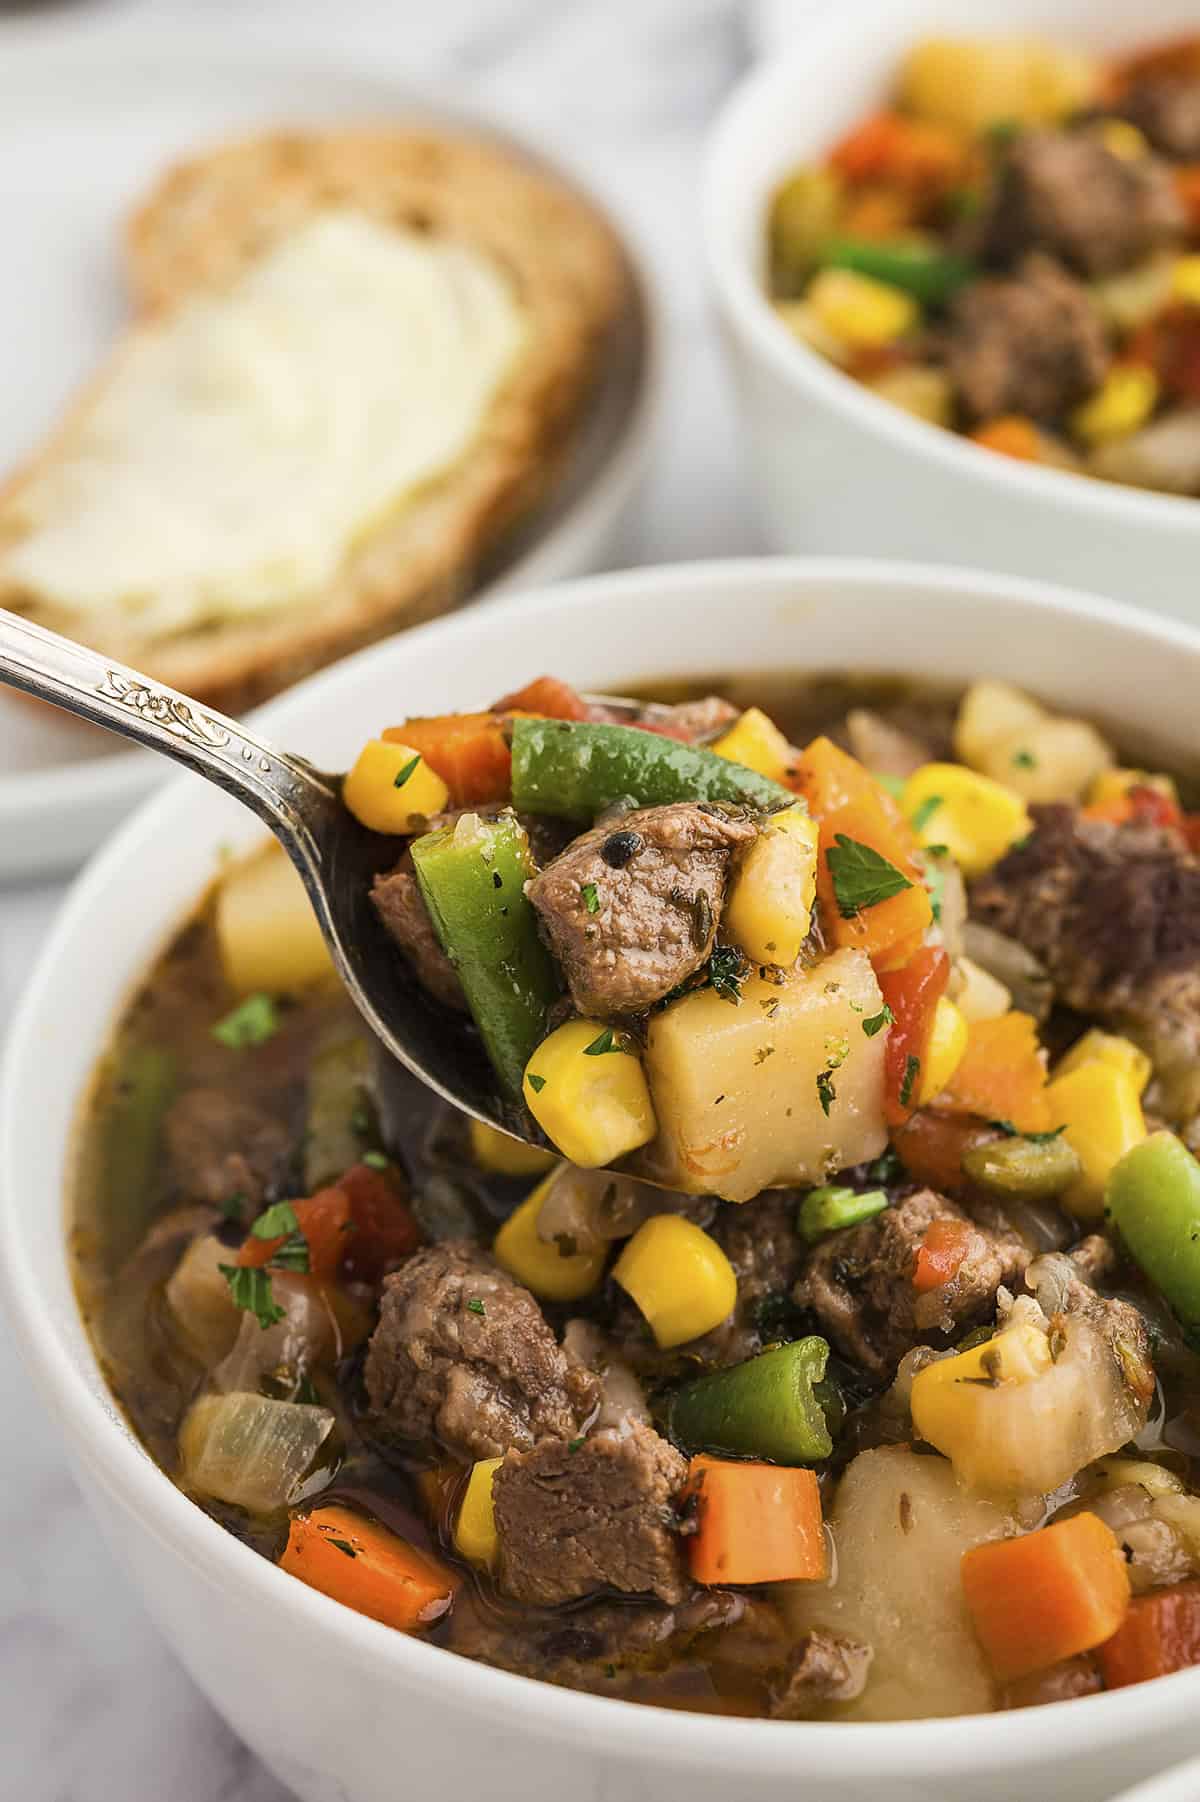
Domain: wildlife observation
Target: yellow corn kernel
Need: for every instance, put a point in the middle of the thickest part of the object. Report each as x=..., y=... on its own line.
x=586, y=1090
x=943, y=1050
x=545, y=1270
x=392, y=789
x=924, y=392
x=1124, y=140
x=495, y=1151
x=976, y=818
x=756, y=741
x=1185, y=280
x=804, y=326
x=981, y=996
x=1114, y=785
x=859, y=310
x=475, y=1529
x=948, y=1397
x=1096, y=1047
x=1123, y=402
x=769, y=909
x=1099, y=1105
x=679, y=1277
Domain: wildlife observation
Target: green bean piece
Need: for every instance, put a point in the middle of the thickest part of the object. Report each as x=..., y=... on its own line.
x=1153, y=1198
x=767, y=1407
x=930, y=276
x=1022, y=1169
x=829, y=1209
x=339, y=1116
x=472, y=876
x=143, y=1089
x=574, y=769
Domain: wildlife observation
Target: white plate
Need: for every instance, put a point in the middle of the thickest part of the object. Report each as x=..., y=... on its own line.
x=86, y=122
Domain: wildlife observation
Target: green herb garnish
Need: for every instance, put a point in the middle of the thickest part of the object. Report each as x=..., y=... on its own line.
x=887, y=1168
x=403, y=775
x=475, y=1306
x=231, y=1207
x=606, y=1042
x=877, y=1022
x=861, y=877
x=252, y=1022
x=912, y=1069
x=251, y=1290
x=925, y=812
x=536, y=1083
x=826, y=1093
x=591, y=897
x=276, y=1222
x=1024, y=760
x=728, y=969
x=343, y=1545
x=375, y=1159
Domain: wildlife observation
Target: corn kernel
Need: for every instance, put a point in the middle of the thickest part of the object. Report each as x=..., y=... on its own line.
x=679, y=1277
x=769, y=909
x=545, y=1270
x=586, y=1090
x=1107, y=1048
x=475, y=1536
x=1099, y=1106
x=1185, y=280
x=756, y=742
x=807, y=329
x=980, y=995
x=976, y=818
x=943, y=1050
x=392, y=789
x=861, y=311
x=1123, y=402
x=924, y=392
x=951, y=1398
x=1124, y=140
x=1114, y=785
x=495, y=1151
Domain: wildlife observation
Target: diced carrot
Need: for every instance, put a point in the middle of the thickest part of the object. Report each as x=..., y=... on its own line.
x=358, y=1562
x=1013, y=436
x=1002, y=1075
x=940, y=1254
x=546, y=698
x=1047, y=1595
x=931, y=1146
x=324, y=1220
x=877, y=212
x=1187, y=186
x=384, y=1226
x=755, y=1523
x=469, y=751
x=913, y=154
x=912, y=993
x=1160, y=1634
x=1179, y=56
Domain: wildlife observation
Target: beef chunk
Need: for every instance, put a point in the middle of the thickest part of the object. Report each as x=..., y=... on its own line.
x=822, y=1667
x=1061, y=1288
x=402, y=909
x=573, y=1519
x=1113, y=912
x=1068, y=194
x=1032, y=343
x=657, y=884
x=219, y=1148
x=859, y=1285
x=1167, y=109
x=761, y=1242
x=695, y=722
x=463, y=1355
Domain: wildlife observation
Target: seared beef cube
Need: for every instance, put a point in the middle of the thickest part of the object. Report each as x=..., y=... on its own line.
x=576, y=1517
x=761, y=1242
x=631, y=910
x=1167, y=109
x=1031, y=344
x=463, y=1356
x=696, y=722
x=1069, y=194
x=859, y=1283
x=219, y=1148
x=402, y=909
x=821, y=1667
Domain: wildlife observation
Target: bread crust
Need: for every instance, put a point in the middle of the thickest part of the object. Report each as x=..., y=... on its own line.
x=211, y=216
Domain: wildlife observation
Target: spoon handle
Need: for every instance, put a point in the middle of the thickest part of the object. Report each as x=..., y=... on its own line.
x=285, y=791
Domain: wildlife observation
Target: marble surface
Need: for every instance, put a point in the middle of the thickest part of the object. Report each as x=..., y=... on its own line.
x=92, y=1706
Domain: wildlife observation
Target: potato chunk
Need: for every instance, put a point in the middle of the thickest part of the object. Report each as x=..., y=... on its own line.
x=784, y=1088
x=266, y=929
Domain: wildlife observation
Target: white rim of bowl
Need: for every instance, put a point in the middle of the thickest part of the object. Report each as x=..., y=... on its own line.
x=111, y=1454
x=745, y=300
x=120, y=779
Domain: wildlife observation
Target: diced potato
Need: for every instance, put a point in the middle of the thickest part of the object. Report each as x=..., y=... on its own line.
x=988, y=712
x=391, y=788
x=900, y=1525
x=756, y=742
x=1098, y=1102
x=978, y=994
x=860, y=311
x=549, y=1271
x=198, y=1296
x=769, y=909
x=944, y=1050
x=921, y=390
x=585, y=1087
x=495, y=1151
x=1097, y=1047
x=976, y=818
x=679, y=1277
x=1057, y=760
x=266, y=930
x=786, y=1087
x=804, y=325
x=971, y=83
x=475, y=1537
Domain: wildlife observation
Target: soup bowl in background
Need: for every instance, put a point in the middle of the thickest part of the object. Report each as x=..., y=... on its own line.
x=340, y=1708
x=837, y=468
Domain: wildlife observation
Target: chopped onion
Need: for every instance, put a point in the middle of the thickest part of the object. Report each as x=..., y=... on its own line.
x=198, y=1296
x=622, y=1396
x=251, y=1451
x=307, y=1334
x=591, y=1208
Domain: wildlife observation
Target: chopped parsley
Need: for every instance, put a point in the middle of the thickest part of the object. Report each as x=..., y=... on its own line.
x=475, y=1306
x=935, y=885
x=1024, y=760
x=591, y=897
x=861, y=877
x=403, y=775
x=252, y=1022
x=360, y=1119
x=1006, y=1127
x=606, y=1042
x=231, y=1207
x=277, y=1222
x=877, y=1022
x=375, y=1159
x=343, y=1545
x=1046, y=1137
x=292, y=1254
x=728, y=969
x=574, y=1445
x=280, y=1222
x=826, y=1093
x=912, y=1069
x=1014, y=1132
x=536, y=1083
x=251, y=1290
x=887, y=1168
x=925, y=812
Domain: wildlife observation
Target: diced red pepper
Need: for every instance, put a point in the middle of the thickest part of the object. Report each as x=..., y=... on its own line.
x=931, y=1146
x=941, y=1254
x=1160, y=1634
x=546, y=697
x=385, y=1229
x=912, y=993
x=913, y=154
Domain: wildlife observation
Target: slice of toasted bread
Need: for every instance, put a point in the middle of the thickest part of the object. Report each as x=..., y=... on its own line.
x=209, y=219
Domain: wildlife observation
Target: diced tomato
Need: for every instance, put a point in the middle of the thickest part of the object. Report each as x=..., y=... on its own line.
x=324, y=1220
x=912, y=993
x=546, y=698
x=384, y=1227
x=1160, y=1634
x=890, y=148
x=940, y=1254
x=1141, y=804
x=931, y=1146
x=469, y=751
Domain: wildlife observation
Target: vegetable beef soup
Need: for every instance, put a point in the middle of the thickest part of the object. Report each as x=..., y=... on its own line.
x=832, y=1354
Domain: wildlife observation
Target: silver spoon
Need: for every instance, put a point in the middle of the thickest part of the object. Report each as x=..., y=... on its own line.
x=335, y=856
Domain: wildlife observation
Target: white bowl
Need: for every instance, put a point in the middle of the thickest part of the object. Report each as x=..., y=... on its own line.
x=837, y=468
x=1180, y=1785
x=340, y=1708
